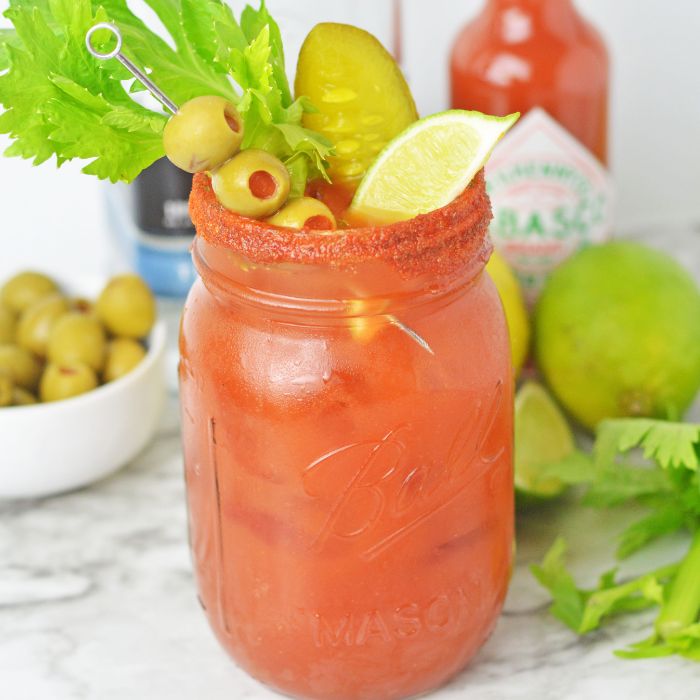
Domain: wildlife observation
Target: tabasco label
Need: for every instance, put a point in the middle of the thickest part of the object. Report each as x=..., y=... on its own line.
x=550, y=196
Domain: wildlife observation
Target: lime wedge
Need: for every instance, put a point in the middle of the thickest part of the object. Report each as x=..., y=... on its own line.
x=428, y=165
x=542, y=437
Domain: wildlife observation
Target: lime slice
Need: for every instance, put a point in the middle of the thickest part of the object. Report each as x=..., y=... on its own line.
x=542, y=437
x=429, y=164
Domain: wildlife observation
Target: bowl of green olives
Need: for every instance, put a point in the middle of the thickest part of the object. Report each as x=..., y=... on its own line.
x=82, y=381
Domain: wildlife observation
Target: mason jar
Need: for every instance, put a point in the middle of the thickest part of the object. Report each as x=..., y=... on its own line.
x=347, y=416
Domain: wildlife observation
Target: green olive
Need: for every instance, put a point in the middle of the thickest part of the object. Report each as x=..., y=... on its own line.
x=81, y=305
x=76, y=337
x=66, y=380
x=205, y=133
x=254, y=183
x=20, y=365
x=38, y=320
x=24, y=289
x=22, y=397
x=305, y=213
x=127, y=307
x=123, y=355
x=8, y=324
x=7, y=386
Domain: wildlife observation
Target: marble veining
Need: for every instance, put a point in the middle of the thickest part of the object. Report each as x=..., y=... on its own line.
x=97, y=600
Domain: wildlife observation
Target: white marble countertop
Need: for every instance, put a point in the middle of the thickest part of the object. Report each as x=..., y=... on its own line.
x=97, y=600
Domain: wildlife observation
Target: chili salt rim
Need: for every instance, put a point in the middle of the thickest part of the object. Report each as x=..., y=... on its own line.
x=440, y=242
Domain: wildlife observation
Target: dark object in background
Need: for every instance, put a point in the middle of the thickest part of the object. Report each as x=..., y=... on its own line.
x=151, y=225
x=161, y=197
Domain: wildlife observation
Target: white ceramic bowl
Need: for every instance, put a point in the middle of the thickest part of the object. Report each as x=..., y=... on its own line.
x=50, y=448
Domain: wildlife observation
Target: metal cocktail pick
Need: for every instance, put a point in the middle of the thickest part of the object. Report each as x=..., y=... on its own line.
x=136, y=72
x=172, y=108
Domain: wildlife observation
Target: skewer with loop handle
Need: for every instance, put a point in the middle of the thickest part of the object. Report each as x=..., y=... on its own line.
x=116, y=52
x=171, y=107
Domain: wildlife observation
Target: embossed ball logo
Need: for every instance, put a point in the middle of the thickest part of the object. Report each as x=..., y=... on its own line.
x=384, y=495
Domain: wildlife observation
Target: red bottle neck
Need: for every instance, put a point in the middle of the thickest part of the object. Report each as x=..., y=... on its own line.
x=521, y=20
x=534, y=5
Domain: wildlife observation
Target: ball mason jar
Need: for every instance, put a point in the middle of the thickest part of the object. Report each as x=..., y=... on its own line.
x=347, y=417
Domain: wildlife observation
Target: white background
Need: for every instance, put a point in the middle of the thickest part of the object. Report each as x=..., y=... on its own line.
x=53, y=220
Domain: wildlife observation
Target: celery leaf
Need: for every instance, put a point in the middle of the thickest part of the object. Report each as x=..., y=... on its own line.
x=664, y=520
x=665, y=479
x=60, y=101
x=671, y=445
x=568, y=601
x=585, y=610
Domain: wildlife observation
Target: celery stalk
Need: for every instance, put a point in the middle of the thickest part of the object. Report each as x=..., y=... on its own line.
x=682, y=607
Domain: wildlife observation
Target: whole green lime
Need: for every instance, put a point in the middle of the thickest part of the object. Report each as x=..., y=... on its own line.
x=617, y=333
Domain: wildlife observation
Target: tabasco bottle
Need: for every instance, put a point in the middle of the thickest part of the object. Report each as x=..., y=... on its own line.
x=548, y=181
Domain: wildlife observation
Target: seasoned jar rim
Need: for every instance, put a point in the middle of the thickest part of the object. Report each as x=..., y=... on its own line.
x=440, y=244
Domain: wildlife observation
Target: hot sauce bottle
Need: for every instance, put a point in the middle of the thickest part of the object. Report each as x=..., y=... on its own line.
x=548, y=181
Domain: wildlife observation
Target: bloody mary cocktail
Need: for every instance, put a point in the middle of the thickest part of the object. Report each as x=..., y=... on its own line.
x=346, y=386
x=350, y=492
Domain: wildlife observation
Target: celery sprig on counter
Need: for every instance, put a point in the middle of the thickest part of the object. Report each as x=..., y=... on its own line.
x=667, y=482
x=60, y=101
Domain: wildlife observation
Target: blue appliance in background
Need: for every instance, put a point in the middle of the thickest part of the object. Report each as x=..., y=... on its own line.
x=150, y=223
